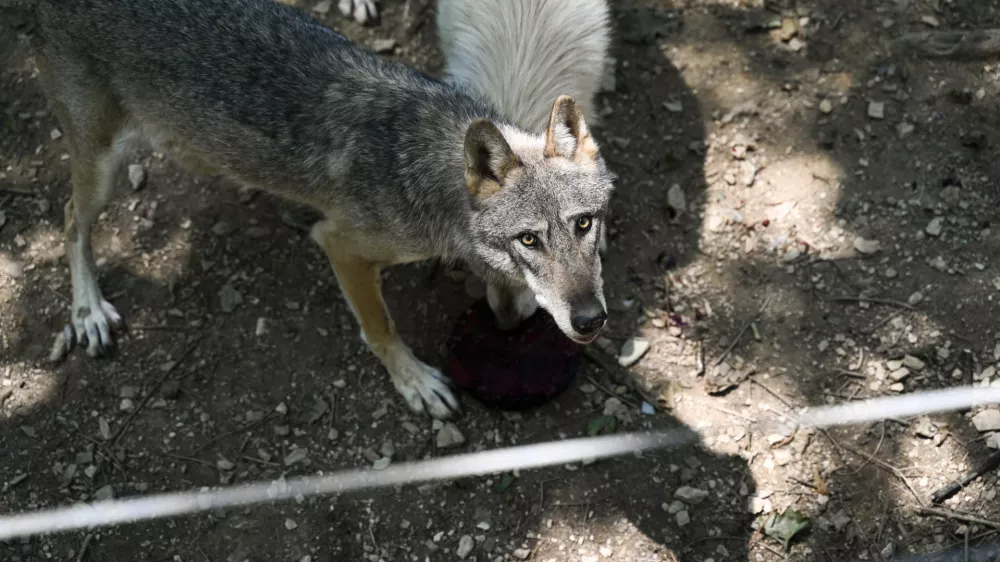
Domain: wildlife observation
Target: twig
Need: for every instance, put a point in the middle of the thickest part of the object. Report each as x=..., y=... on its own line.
x=743, y=331
x=187, y=459
x=852, y=374
x=875, y=452
x=611, y=393
x=951, y=489
x=732, y=413
x=780, y=398
x=84, y=546
x=149, y=395
x=163, y=328
x=241, y=429
x=18, y=191
x=889, y=302
x=892, y=469
x=957, y=516
x=618, y=373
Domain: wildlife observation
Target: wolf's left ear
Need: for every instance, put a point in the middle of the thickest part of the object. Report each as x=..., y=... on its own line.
x=567, y=135
x=489, y=160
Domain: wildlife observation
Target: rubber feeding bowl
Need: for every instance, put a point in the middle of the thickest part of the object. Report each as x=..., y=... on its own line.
x=511, y=370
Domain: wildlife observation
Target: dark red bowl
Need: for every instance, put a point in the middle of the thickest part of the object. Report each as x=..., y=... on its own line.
x=511, y=370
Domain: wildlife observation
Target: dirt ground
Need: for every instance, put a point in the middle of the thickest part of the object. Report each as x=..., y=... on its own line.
x=801, y=219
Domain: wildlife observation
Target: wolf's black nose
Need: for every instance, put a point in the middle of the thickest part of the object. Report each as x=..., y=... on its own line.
x=589, y=319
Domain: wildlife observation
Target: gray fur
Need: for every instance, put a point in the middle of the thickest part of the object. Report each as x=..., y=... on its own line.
x=263, y=94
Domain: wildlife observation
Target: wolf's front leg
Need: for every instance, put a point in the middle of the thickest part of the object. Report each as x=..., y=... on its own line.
x=422, y=386
x=364, y=12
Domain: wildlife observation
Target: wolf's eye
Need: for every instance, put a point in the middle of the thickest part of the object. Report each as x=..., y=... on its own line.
x=528, y=239
x=583, y=224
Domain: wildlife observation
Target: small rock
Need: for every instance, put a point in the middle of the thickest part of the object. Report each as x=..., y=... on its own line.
x=136, y=176
x=925, y=428
x=225, y=465
x=128, y=392
x=951, y=195
x=605, y=551
x=105, y=493
x=825, y=106
x=14, y=269
x=899, y=374
x=127, y=405
x=673, y=106
x=690, y=496
x=987, y=420
x=382, y=463
x=876, y=109
x=904, y=129
x=222, y=228
x=449, y=436
x=896, y=387
x=55, y=134
x=676, y=199
x=993, y=441
x=632, y=350
x=674, y=507
x=938, y=263
x=915, y=298
x=291, y=525
x=865, y=246
x=891, y=273
x=465, y=545
x=261, y=328
x=934, y=227
x=323, y=8
x=930, y=21
x=521, y=553
x=384, y=46
x=411, y=427
x=229, y=298
x=683, y=518
x=296, y=456
x=913, y=363
x=841, y=520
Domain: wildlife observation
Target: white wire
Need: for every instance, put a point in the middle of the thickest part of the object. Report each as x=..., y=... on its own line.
x=111, y=512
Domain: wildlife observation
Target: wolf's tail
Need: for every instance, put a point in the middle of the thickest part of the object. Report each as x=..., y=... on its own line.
x=975, y=44
x=522, y=54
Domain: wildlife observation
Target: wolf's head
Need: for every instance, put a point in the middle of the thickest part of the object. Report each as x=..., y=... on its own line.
x=538, y=205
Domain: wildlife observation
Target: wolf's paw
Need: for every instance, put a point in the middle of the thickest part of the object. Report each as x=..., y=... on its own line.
x=93, y=324
x=364, y=12
x=424, y=389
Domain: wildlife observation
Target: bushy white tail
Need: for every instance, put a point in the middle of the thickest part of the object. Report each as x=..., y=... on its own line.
x=522, y=54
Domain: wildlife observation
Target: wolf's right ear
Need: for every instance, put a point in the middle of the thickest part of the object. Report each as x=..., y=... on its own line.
x=489, y=160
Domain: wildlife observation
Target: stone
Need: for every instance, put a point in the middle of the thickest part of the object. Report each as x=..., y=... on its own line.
x=913, y=363
x=690, y=495
x=676, y=199
x=449, y=436
x=934, y=227
x=876, y=110
x=384, y=46
x=136, y=176
x=465, y=545
x=866, y=246
x=987, y=420
x=632, y=350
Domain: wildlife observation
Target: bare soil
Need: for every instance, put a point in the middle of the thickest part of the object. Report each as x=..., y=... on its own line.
x=817, y=171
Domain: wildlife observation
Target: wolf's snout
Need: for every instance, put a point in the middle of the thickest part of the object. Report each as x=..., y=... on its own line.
x=588, y=318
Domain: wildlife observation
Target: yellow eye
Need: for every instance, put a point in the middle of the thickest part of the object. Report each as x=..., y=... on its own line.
x=584, y=223
x=528, y=239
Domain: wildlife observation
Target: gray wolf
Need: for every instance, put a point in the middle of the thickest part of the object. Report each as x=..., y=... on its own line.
x=403, y=167
x=519, y=55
